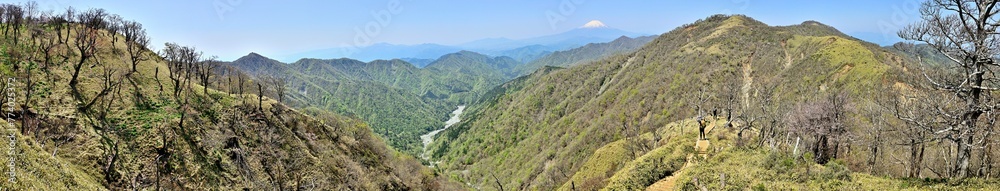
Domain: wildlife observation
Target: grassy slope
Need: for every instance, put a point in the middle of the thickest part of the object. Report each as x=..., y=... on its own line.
x=610, y=167
x=740, y=168
x=529, y=138
x=224, y=144
x=766, y=169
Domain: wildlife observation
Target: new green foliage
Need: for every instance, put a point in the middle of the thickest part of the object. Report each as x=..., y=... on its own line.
x=537, y=132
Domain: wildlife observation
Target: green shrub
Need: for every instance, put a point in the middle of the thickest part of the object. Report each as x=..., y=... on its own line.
x=835, y=169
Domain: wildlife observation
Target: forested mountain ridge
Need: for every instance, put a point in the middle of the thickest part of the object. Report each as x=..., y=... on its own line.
x=400, y=100
x=466, y=75
x=542, y=131
x=90, y=107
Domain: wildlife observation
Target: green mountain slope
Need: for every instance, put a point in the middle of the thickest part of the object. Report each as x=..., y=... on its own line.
x=359, y=89
x=399, y=100
x=465, y=75
x=157, y=127
x=923, y=53
x=538, y=132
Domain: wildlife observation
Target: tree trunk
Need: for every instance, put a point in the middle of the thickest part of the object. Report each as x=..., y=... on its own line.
x=874, y=156
x=821, y=150
x=260, y=97
x=76, y=73
x=969, y=119
x=916, y=158
x=962, y=158
x=987, y=162
x=795, y=151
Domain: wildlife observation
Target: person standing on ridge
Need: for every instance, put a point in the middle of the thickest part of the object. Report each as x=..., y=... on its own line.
x=701, y=128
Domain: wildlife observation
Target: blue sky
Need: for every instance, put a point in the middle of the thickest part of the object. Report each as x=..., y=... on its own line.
x=233, y=28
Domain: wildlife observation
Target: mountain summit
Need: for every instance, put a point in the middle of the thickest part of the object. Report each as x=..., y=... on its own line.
x=594, y=24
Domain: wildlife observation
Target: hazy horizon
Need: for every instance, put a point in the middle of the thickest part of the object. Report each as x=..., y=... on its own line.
x=233, y=28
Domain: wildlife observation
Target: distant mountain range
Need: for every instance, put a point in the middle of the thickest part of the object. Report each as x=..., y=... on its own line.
x=584, y=54
x=589, y=33
x=376, y=51
x=522, y=50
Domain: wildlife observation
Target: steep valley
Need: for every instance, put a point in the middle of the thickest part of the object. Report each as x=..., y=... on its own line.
x=726, y=102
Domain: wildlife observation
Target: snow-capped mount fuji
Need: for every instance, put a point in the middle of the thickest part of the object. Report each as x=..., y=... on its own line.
x=594, y=24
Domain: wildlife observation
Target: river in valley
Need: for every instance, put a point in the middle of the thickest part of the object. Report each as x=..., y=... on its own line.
x=429, y=137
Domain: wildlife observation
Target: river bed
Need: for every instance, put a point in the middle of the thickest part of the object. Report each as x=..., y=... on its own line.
x=429, y=137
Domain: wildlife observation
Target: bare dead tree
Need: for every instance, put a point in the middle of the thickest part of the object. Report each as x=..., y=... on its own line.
x=229, y=80
x=86, y=40
x=876, y=110
x=280, y=86
x=985, y=158
x=731, y=96
x=205, y=71
x=69, y=16
x=110, y=82
x=13, y=18
x=58, y=23
x=3, y=16
x=918, y=112
x=114, y=24
x=702, y=100
x=497, y=180
x=275, y=85
x=822, y=122
x=136, y=43
x=47, y=46
x=966, y=33
x=260, y=96
x=760, y=109
x=181, y=61
x=731, y=100
x=156, y=75
x=920, y=117
x=31, y=12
